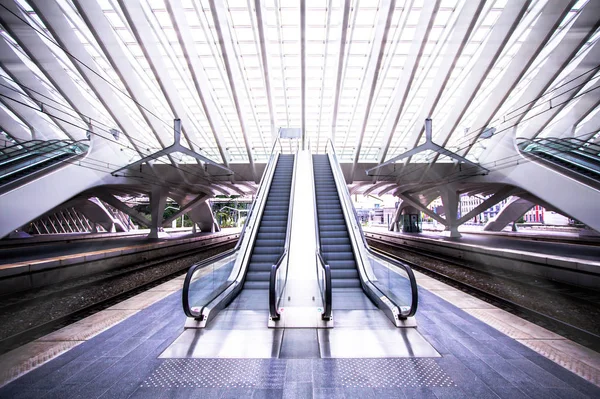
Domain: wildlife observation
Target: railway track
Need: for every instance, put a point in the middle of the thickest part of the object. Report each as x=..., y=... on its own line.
x=565, y=329
x=31, y=300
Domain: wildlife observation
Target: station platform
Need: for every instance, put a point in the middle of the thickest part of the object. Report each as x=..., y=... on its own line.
x=564, y=262
x=49, y=247
x=555, y=244
x=481, y=352
x=24, y=267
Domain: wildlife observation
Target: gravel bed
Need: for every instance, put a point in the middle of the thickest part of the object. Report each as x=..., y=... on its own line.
x=38, y=309
x=551, y=302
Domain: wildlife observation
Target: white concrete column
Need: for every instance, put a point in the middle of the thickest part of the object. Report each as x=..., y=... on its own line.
x=158, y=202
x=451, y=199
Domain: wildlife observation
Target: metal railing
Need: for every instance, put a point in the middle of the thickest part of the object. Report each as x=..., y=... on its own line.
x=374, y=268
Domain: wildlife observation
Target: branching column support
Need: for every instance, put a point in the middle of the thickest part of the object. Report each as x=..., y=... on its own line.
x=451, y=199
x=158, y=202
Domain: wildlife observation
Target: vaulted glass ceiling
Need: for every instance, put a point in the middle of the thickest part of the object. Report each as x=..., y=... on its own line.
x=363, y=73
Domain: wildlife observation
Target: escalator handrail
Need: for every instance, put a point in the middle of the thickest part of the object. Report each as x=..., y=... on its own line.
x=188, y=277
x=23, y=148
x=36, y=147
x=273, y=301
x=326, y=295
x=41, y=155
x=407, y=269
x=572, y=155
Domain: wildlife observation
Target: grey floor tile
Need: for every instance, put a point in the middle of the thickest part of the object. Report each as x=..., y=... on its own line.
x=457, y=370
x=569, y=393
x=61, y=375
x=298, y=390
x=92, y=371
x=21, y=392
x=508, y=371
x=509, y=393
x=536, y=392
x=565, y=375
x=267, y=394
x=478, y=390
x=448, y=393
x=486, y=374
x=328, y=393
x=189, y=393
x=541, y=376
x=148, y=393
x=359, y=393
x=236, y=393
x=418, y=393
x=389, y=393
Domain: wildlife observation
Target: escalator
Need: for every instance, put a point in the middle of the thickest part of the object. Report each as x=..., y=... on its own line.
x=244, y=272
x=572, y=156
x=25, y=160
x=336, y=247
x=356, y=271
x=270, y=240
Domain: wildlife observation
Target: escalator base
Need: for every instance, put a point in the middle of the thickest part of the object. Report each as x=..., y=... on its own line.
x=244, y=334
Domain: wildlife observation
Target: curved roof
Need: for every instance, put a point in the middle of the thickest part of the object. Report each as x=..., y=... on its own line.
x=364, y=73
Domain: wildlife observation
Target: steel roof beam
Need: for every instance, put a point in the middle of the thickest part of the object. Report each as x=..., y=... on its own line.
x=12, y=127
x=22, y=106
x=303, y=69
x=94, y=17
x=340, y=68
x=382, y=27
x=551, y=15
x=579, y=33
x=262, y=27
x=42, y=56
x=25, y=78
x=186, y=41
x=501, y=32
x=65, y=36
x=586, y=103
x=219, y=14
x=426, y=19
x=456, y=42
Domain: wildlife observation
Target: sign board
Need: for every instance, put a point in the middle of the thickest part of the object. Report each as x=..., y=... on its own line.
x=290, y=132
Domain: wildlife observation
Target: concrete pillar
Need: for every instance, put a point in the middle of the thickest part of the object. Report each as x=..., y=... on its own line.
x=158, y=202
x=451, y=199
x=396, y=218
x=516, y=208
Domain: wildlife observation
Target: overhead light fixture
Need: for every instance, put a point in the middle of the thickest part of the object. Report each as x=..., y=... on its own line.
x=487, y=133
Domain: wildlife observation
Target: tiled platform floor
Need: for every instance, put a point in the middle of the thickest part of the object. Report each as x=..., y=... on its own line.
x=478, y=361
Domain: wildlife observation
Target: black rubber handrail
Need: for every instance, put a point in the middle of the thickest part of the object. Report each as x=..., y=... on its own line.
x=326, y=288
x=406, y=268
x=188, y=278
x=274, y=297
